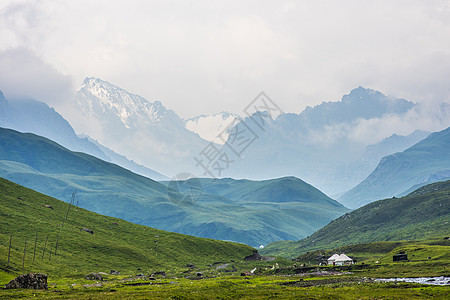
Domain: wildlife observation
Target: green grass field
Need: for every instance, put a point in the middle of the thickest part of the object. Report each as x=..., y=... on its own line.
x=138, y=252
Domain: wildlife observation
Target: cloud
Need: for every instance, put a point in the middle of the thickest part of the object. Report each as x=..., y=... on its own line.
x=428, y=116
x=202, y=57
x=25, y=75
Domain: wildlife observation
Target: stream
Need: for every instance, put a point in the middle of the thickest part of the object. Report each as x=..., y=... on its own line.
x=422, y=280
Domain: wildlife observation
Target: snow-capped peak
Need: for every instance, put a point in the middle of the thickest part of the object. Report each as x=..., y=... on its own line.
x=210, y=127
x=98, y=97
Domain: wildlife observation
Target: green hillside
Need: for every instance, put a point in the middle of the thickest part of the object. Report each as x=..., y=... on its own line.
x=114, y=245
x=281, y=190
x=422, y=214
x=275, y=209
x=250, y=212
x=398, y=174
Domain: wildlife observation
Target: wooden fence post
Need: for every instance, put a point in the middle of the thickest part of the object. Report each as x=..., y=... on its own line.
x=24, y=250
x=9, y=250
x=45, y=246
x=35, y=243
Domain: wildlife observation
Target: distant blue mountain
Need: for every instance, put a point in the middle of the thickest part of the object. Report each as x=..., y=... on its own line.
x=361, y=103
x=29, y=115
x=316, y=145
x=398, y=174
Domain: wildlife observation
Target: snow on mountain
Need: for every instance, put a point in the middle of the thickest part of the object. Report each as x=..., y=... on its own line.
x=210, y=127
x=98, y=97
x=143, y=131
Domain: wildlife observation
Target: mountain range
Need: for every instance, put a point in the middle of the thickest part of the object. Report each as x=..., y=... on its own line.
x=317, y=145
x=256, y=213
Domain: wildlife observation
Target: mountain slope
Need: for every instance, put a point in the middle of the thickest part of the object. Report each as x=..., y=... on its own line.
x=119, y=119
x=114, y=245
x=126, y=163
x=28, y=115
x=426, y=162
x=106, y=188
x=357, y=170
x=422, y=214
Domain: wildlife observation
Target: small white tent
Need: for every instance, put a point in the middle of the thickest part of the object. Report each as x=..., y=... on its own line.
x=332, y=259
x=340, y=260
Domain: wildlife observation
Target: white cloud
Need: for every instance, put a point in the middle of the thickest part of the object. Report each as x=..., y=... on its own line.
x=210, y=56
x=25, y=75
x=427, y=116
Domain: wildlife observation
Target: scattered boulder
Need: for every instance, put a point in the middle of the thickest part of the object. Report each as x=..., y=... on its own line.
x=255, y=256
x=37, y=281
x=199, y=274
x=246, y=273
x=94, y=276
x=222, y=266
x=162, y=273
x=115, y=223
x=192, y=266
x=114, y=272
x=48, y=206
x=87, y=230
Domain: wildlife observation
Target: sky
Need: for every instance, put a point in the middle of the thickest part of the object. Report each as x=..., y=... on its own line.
x=203, y=57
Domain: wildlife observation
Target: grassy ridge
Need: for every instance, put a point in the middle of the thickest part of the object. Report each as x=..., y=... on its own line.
x=422, y=214
x=124, y=247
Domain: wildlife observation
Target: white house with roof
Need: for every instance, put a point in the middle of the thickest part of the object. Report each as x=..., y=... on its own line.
x=339, y=260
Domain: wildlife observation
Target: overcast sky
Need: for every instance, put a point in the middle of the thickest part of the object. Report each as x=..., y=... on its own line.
x=201, y=57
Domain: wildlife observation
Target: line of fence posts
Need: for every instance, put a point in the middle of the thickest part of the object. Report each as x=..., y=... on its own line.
x=25, y=250
x=65, y=216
